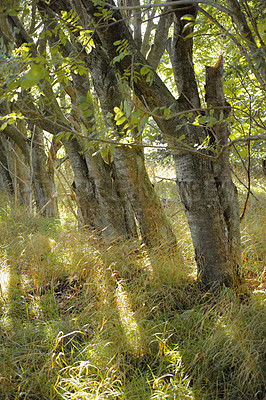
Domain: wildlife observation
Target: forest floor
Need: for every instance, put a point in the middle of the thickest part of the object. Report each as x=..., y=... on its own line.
x=83, y=319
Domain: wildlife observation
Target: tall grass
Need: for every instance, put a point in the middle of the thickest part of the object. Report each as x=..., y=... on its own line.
x=80, y=319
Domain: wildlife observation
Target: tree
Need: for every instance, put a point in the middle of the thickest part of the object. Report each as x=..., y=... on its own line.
x=205, y=186
x=104, y=201
x=111, y=182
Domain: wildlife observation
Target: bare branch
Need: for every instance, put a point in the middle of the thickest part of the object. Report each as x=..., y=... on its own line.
x=174, y=3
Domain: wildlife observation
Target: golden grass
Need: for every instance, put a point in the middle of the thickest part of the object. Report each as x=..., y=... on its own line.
x=81, y=319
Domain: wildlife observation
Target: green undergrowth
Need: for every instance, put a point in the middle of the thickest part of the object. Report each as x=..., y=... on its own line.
x=81, y=319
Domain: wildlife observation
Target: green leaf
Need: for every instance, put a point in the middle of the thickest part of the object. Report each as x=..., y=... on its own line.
x=32, y=77
x=13, y=85
x=87, y=113
x=59, y=136
x=127, y=109
x=67, y=135
x=188, y=17
x=182, y=137
x=190, y=35
x=221, y=118
x=121, y=121
x=144, y=70
x=204, y=119
x=167, y=112
x=3, y=126
x=134, y=121
x=188, y=26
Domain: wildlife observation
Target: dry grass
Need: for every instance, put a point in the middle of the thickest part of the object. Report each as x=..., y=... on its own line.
x=81, y=319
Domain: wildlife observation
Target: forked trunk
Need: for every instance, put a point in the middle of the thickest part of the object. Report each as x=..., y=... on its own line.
x=209, y=197
x=131, y=176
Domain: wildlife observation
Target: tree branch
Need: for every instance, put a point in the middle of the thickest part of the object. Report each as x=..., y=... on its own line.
x=174, y=3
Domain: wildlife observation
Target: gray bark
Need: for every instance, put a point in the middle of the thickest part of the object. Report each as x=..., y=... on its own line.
x=160, y=38
x=243, y=29
x=101, y=205
x=263, y=165
x=19, y=172
x=181, y=55
x=131, y=173
x=226, y=189
x=42, y=177
x=117, y=220
x=195, y=175
x=154, y=227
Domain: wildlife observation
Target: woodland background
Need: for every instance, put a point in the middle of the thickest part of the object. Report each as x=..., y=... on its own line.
x=101, y=295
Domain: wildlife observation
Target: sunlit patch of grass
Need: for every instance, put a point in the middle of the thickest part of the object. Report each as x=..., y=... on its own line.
x=128, y=321
x=89, y=373
x=4, y=277
x=80, y=318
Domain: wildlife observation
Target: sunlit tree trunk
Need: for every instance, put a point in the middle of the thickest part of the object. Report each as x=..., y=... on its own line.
x=196, y=178
x=110, y=206
x=19, y=172
x=129, y=163
x=206, y=188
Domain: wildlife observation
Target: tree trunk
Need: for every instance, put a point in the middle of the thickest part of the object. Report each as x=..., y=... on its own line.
x=199, y=193
x=227, y=191
x=154, y=227
x=19, y=172
x=195, y=175
x=114, y=205
x=131, y=174
x=113, y=215
x=42, y=177
x=263, y=165
x=6, y=184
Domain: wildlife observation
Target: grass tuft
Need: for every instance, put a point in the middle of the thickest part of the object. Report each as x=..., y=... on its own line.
x=80, y=319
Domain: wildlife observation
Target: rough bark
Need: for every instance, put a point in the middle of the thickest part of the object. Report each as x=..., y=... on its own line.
x=19, y=172
x=42, y=177
x=180, y=51
x=6, y=184
x=30, y=167
x=101, y=205
x=131, y=173
x=226, y=189
x=263, y=166
x=154, y=226
x=195, y=175
x=113, y=208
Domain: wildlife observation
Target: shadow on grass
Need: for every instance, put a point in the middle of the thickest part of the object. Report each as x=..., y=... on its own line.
x=81, y=319
x=182, y=343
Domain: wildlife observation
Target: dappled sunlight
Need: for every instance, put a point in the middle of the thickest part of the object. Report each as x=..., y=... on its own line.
x=95, y=375
x=174, y=383
x=15, y=291
x=146, y=263
x=4, y=278
x=85, y=319
x=128, y=321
